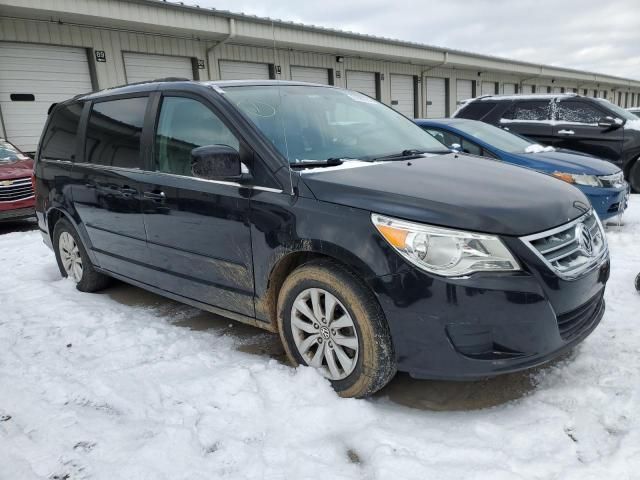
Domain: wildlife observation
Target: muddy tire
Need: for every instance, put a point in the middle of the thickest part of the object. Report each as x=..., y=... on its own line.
x=323, y=306
x=73, y=260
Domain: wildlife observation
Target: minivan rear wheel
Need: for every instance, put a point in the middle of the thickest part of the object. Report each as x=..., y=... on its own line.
x=330, y=321
x=73, y=261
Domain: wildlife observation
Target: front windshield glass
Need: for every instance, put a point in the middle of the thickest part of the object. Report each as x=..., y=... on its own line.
x=307, y=123
x=495, y=136
x=619, y=111
x=9, y=154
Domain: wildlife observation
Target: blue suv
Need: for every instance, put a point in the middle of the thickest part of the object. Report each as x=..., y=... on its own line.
x=602, y=182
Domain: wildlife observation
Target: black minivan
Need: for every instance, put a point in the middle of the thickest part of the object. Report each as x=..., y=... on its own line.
x=321, y=214
x=590, y=125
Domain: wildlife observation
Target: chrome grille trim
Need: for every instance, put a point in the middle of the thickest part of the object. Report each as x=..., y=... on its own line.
x=18, y=189
x=561, y=250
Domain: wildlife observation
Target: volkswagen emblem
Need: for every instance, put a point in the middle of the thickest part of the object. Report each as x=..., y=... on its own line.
x=585, y=240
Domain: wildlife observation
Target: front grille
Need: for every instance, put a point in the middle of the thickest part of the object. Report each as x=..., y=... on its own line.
x=616, y=180
x=573, y=323
x=571, y=249
x=18, y=189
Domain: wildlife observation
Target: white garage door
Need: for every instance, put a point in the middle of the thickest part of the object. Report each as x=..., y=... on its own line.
x=542, y=89
x=310, y=74
x=488, y=88
x=363, y=82
x=556, y=90
x=142, y=67
x=464, y=90
x=32, y=77
x=230, y=70
x=436, y=98
x=402, y=95
x=509, y=88
x=526, y=89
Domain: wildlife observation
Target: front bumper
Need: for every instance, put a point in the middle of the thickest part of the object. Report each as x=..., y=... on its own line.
x=607, y=202
x=487, y=324
x=16, y=214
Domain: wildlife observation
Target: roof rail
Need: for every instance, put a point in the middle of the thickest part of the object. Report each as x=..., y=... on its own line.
x=156, y=80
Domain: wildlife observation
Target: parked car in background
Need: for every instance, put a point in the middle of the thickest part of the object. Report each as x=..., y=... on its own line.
x=326, y=216
x=569, y=121
x=635, y=111
x=602, y=182
x=16, y=189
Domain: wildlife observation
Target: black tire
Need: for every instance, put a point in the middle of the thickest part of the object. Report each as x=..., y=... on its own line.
x=376, y=364
x=91, y=280
x=638, y=282
x=634, y=176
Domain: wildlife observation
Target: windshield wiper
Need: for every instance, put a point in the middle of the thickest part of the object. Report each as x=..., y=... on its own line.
x=409, y=153
x=329, y=162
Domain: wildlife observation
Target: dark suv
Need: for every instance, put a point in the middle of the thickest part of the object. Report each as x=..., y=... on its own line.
x=321, y=214
x=569, y=121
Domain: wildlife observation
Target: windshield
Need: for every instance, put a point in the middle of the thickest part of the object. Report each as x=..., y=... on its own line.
x=317, y=123
x=9, y=154
x=619, y=111
x=494, y=136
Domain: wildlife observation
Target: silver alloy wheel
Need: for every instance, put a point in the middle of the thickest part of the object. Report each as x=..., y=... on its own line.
x=70, y=256
x=324, y=333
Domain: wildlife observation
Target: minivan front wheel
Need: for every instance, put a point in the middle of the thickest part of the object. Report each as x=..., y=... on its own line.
x=330, y=321
x=73, y=260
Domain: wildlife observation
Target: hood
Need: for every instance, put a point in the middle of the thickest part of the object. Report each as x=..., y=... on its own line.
x=456, y=191
x=19, y=169
x=569, y=162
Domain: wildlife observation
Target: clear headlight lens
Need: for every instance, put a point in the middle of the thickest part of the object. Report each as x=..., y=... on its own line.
x=443, y=251
x=579, y=179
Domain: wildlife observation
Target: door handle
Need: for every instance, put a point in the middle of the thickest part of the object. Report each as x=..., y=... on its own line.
x=566, y=132
x=128, y=191
x=155, y=195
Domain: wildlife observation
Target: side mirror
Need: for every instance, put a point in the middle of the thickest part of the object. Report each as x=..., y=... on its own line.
x=610, y=122
x=216, y=162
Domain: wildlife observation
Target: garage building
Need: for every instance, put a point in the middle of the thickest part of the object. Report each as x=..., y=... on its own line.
x=52, y=50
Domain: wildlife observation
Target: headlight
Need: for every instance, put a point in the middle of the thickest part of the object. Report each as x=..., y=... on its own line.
x=579, y=179
x=451, y=253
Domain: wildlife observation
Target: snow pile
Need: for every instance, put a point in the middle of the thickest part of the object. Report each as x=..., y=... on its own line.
x=537, y=148
x=93, y=388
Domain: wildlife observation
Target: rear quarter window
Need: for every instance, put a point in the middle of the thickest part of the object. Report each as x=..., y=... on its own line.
x=59, y=141
x=529, y=111
x=476, y=110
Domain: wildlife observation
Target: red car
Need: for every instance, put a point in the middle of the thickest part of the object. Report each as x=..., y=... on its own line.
x=16, y=189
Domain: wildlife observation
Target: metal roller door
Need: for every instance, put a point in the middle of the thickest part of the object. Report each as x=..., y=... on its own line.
x=142, y=67
x=464, y=90
x=436, y=98
x=556, y=90
x=230, y=70
x=310, y=74
x=488, y=88
x=527, y=89
x=363, y=82
x=402, y=94
x=509, y=88
x=32, y=77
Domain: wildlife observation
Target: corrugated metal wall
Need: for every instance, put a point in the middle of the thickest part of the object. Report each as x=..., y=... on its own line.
x=114, y=42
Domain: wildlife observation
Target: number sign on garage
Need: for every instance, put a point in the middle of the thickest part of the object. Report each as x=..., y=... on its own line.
x=142, y=67
x=32, y=77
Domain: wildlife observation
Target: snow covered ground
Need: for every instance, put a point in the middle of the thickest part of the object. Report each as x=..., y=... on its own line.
x=95, y=387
